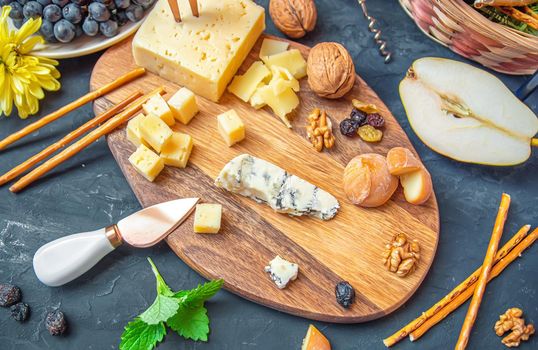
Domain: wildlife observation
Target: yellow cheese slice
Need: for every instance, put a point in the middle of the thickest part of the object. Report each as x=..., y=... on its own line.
x=292, y=60
x=281, y=104
x=183, y=105
x=157, y=106
x=133, y=131
x=155, y=132
x=231, y=127
x=282, y=79
x=272, y=47
x=243, y=86
x=202, y=53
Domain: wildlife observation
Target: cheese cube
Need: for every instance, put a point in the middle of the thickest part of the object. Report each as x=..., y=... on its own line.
x=202, y=53
x=183, y=105
x=282, y=79
x=281, y=104
x=157, y=106
x=133, y=131
x=243, y=86
x=146, y=162
x=177, y=150
x=256, y=100
x=271, y=47
x=292, y=60
x=155, y=132
x=231, y=127
x=207, y=218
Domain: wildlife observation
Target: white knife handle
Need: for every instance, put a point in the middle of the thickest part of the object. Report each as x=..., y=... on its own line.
x=66, y=258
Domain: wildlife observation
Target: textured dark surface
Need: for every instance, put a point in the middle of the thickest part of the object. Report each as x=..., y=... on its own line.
x=89, y=191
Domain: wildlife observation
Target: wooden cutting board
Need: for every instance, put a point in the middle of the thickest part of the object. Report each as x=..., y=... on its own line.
x=349, y=247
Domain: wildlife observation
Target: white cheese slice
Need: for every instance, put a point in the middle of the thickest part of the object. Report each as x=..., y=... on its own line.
x=282, y=271
x=267, y=183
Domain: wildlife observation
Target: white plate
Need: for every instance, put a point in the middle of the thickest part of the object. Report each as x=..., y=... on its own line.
x=86, y=45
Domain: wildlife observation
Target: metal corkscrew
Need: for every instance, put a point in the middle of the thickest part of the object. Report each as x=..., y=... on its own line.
x=382, y=44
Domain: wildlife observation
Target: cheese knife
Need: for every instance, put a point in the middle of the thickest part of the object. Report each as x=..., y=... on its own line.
x=62, y=260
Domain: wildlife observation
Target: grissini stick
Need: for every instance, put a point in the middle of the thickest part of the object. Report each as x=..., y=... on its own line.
x=72, y=106
x=462, y=287
x=484, y=274
x=84, y=142
x=465, y=295
x=21, y=168
x=174, y=7
x=194, y=7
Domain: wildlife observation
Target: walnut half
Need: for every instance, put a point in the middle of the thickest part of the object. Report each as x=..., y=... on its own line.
x=319, y=130
x=512, y=320
x=401, y=256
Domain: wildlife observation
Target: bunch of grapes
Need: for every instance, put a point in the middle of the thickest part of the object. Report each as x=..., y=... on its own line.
x=65, y=20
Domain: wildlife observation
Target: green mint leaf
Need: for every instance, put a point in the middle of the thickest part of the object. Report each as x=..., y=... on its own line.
x=162, y=287
x=197, y=296
x=139, y=335
x=161, y=310
x=191, y=323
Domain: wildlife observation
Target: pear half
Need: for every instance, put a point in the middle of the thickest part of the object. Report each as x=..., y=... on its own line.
x=467, y=114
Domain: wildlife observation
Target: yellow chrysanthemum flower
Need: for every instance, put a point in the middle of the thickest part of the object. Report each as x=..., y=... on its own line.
x=23, y=77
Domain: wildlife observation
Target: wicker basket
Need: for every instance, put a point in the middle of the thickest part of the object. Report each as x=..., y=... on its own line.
x=455, y=24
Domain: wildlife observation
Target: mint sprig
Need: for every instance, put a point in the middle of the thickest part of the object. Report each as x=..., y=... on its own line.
x=182, y=311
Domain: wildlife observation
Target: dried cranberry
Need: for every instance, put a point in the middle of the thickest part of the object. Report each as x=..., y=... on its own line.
x=55, y=322
x=9, y=295
x=349, y=127
x=375, y=120
x=345, y=294
x=358, y=115
x=20, y=311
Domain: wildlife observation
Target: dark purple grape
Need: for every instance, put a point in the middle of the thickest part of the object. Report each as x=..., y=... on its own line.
x=120, y=17
x=44, y=2
x=5, y=2
x=99, y=12
x=134, y=13
x=64, y=31
x=56, y=323
x=20, y=312
x=22, y=2
x=90, y=26
x=72, y=13
x=52, y=13
x=9, y=294
x=60, y=3
x=108, y=28
x=122, y=4
x=47, y=31
x=144, y=3
x=16, y=11
x=32, y=9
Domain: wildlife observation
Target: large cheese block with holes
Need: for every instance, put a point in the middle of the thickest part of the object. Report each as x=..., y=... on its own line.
x=202, y=53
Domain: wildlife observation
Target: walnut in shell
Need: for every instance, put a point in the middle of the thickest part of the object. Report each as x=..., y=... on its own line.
x=294, y=17
x=330, y=69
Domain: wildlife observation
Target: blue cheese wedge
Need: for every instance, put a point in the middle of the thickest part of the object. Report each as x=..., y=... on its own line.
x=282, y=271
x=269, y=184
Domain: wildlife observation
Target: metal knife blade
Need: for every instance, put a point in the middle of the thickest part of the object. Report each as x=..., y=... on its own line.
x=152, y=224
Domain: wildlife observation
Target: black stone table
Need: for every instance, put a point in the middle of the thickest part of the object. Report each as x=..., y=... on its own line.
x=89, y=192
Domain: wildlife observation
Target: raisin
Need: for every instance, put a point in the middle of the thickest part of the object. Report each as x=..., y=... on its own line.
x=375, y=120
x=370, y=134
x=345, y=294
x=56, y=323
x=349, y=127
x=9, y=295
x=20, y=311
x=358, y=116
